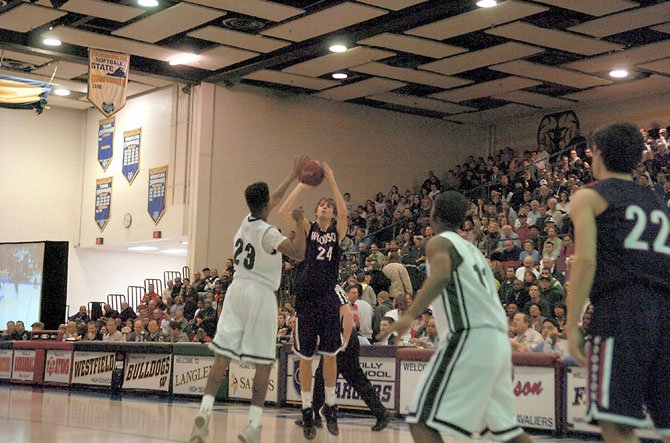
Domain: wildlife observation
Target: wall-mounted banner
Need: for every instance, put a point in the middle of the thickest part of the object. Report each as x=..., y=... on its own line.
x=6, y=364
x=157, y=186
x=107, y=80
x=148, y=371
x=240, y=381
x=131, y=154
x=93, y=368
x=189, y=374
x=24, y=365
x=105, y=142
x=103, y=201
x=58, y=366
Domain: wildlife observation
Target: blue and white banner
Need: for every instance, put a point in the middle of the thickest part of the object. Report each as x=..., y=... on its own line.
x=157, y=186
x=103, y=201
x=131, y=154
x=105, y=142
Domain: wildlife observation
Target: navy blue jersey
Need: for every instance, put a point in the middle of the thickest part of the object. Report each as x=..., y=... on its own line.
x=633, y=252
x=317, y=274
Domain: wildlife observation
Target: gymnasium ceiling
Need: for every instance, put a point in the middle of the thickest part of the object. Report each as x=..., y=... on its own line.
x=445, y=59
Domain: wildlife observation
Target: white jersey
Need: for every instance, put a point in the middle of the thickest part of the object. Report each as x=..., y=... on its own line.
x=470, y=299
x=255, y=254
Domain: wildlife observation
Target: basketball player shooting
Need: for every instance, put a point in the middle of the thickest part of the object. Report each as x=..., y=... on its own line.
x=317, y=305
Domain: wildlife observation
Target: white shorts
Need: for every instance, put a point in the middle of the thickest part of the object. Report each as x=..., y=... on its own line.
x=466, y=387
x=247, y=328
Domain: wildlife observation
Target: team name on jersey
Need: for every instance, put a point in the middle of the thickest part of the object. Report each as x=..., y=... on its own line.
x=325, y=238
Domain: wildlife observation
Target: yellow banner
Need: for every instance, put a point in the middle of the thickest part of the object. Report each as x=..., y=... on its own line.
x=107, y=80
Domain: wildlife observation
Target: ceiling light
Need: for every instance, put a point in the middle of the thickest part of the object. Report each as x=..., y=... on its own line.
x=51, y=42
x=174, y=251
x=619, y=73
x=340, y=75
x=148, y=3
x=183, y=242
x=338, y=48
x=487, y=3
x=62, y=92
x=184, y=59
x=141, y=248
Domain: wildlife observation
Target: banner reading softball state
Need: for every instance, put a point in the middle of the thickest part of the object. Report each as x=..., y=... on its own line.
x=105, y=142
x=107, y=80
x=103, y=201
x=131, y=154
x=157, y=185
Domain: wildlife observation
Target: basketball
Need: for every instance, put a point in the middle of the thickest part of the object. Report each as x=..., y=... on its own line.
x=312, y=173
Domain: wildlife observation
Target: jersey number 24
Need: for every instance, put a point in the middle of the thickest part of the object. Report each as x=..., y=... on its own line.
x=250, y=254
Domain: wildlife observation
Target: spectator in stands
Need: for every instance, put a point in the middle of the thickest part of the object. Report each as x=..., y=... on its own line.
x=197, y=280
x=362, y=309
x=528, y=266
x=205, y=313
x=92, y=333
x=126, y=331
x=552, y=342
x=549, y=250
x=127, y=312
x=519, y=294
x=163, y=319
x=548, y=262
x=428, y=341
x=511, y=309
x=176, y=287
x=506, y=285
x=71, y=333
x=150, y=295
x=212, y=280
x=397, y=274
x=190, y=306
x=384, y=305
x=112, y=334
x=560, y=311
x=9, y=332
x=526, y=338
x=522, y=227
x=554, y=213
x=509, y=252
x=187, y=289
x=179, y=318
x=177, y=335
x=284, y=330
x=385, y=323
x=201, y=285
x=536, y=317
x=564, y=203
x=155, y=333
x=529, y=250
x=506, y=233
x=166, y=297
x=550, y=292
x=565, y=256
x=201, y=336
x=81, y=315
x=178, y=304
x=534, y=294
x=139, y=333
x=376, y=254
x=37, y=326
x=368, y=294
x=109, y=312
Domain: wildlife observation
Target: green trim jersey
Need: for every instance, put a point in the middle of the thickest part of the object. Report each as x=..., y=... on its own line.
x=470, y=299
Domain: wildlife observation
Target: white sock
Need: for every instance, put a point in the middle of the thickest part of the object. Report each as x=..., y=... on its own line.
x=207, y=404
x=306, y=399
x=255, y=416
x=330, y=396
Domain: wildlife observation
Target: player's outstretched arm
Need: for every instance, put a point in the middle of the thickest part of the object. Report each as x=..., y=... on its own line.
x=285, y=209
x=340, y=204
x=295, y=249
x=278, y=193
x=438, y=253
x=583, y=214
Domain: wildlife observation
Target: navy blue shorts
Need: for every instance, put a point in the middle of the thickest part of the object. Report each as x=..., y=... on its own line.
x=317, y=330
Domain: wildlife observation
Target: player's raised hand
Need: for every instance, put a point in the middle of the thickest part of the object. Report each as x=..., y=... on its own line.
x=328, y=172
x=576, y=345
x=401, y=327
x=298, y=214
x=299, y=164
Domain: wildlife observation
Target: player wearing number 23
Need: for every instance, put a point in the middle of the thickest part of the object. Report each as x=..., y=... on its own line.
x=622, y=262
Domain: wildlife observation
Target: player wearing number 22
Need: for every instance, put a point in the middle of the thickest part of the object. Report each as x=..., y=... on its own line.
x=622, y=261
x=317, y=305
x=247, y=327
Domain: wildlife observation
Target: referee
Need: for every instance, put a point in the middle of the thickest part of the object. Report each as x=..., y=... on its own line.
x=349, y=366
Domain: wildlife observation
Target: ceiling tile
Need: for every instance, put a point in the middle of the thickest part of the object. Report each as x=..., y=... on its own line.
x=238, y=39
x=551, y=74
x=360, y=89
x=486, y=89
x=26, y=17
x=411, y=75
x=654, y=84
x=102, y=9
x=283, y=78
x=264, y=9
x=63, y=69
x=592, y=7
x=665, y=27
x=220, y=57
x=662, y=66
x=68, y=84
x=630, y=57
x=501, y=113
x=481, y=18
x=63, y=102
x=325, y=21
x=484, y=57
x=625, y=21
x=319, y=66
x=533, y=99
x=135, y=88
x=27, y=58
x=413, y=101
x=393, y=5
x=148, y=79
x=174, y=20
x=110, y=43
x=551, y=38
x=412, y=45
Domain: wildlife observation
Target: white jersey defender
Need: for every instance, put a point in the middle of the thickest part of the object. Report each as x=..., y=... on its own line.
x=467, y=386
x=248, y=324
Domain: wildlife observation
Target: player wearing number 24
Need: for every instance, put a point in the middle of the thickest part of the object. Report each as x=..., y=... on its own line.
x=622, y=260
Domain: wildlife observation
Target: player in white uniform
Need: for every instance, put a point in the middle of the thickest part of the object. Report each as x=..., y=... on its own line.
x=247, y=327
x=467, y=386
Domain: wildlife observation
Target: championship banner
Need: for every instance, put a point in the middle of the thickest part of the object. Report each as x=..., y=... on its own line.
x=24, y=365
x=105, y=142
x=535, y=392
x=240, y=381
x=131, y=154
x=5, y=364
x=93, y=368
x=147, y=372
x=57, y=366
x=157, y=186
x=107, y=80
x=103, y=201
x=189, y=374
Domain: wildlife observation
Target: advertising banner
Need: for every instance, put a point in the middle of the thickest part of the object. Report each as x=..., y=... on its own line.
x=240, y=381
x=103, y=202
x=131, y=154
x=23, y=368
x=410, y=372
x=189, y=374
x=5, y=364
x=93, y=368
x=156, y=197
x=58, y=366
x=380, y=371
x=105, y=142
x=147, y=372
x=535, y=393
x=107, y=80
